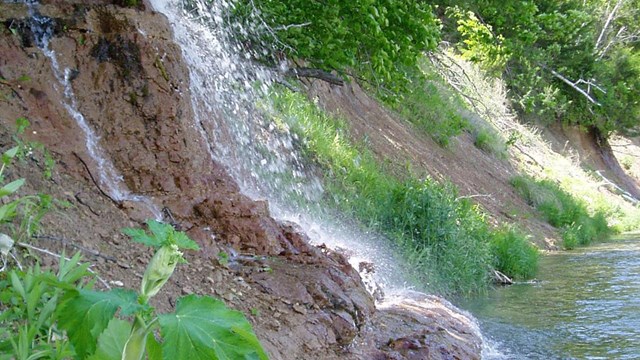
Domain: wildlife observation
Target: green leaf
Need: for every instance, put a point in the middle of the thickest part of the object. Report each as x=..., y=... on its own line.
x=11, y=187
x=204, y=328
x=112, y=340
x=182, y=240
x=154, y=348
x=8, y=211
x=9, y=154
x=160, y=231
x=84, y=314
x=140, y=236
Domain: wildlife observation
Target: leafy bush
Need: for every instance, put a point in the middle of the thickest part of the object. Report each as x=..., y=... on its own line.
x=563, y=211
x=374, y=37
x=28, y=321
x=575, y=61
x=488, y=140
x=515, y=256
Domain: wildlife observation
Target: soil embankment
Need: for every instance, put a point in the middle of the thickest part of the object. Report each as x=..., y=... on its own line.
x=131, y=86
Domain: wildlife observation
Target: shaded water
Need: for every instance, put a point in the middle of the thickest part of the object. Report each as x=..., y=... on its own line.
x=585, y=305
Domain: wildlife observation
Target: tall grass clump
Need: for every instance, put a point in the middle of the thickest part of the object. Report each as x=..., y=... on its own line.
x=444, y=238
x=431, y=107
x=514, y=254
x=563, y=211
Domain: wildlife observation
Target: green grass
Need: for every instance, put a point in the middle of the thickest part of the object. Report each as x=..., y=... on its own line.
x=487, y=139
x=563, y=211
x=430, y=107
x=514, y=254
x=445, y=239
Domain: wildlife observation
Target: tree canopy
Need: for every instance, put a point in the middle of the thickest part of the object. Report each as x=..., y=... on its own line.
x=575, y=61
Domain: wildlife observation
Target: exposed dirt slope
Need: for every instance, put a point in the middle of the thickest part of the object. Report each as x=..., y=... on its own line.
x=476, y=173
x=131, y=86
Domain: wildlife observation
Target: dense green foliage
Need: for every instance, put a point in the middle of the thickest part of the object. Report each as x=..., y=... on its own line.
x=563, y=211
x=28, y=318
x=444, y=238
x=571, y=60
x=377, y=38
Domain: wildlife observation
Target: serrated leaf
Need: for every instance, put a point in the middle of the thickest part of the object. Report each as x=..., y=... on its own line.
x=204, y=328
x=84, y=314
x=111, y=341
x=140, y=236
x=11, y=187
x=182, y=240
x=160, y=230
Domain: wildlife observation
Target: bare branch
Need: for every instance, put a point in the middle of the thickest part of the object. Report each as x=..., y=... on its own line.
x=607, y=23
x=287, y=27
x=318, y=74
x=574, y=86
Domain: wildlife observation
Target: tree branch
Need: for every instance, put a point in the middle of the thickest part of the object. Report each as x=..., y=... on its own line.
x=318, y=74
x=574, y=86
x=606, y=24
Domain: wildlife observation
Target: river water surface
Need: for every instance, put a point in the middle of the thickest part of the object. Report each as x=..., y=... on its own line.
x=585, y=304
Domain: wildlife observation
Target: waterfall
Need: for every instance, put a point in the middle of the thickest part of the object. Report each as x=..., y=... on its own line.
x=229, y=95
x=108, y=177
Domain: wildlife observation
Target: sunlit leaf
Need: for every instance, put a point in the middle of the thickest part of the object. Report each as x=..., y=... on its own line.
x=204, y=328
x=11, y=187
x=111, y=342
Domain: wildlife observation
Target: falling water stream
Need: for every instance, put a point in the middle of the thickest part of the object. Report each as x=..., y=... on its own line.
x=229, y=97
x=108, y=178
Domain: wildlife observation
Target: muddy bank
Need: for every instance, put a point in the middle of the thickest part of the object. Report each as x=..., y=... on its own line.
x=130, y=84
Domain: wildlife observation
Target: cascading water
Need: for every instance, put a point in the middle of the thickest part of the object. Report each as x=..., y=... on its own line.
x=229, y=95
x=110, y=181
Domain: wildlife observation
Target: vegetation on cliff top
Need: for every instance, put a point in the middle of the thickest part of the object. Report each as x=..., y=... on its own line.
x=573, y=61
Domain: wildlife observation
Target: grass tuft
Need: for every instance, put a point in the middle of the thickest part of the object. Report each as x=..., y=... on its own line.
x=563, y=211
x=514, y=254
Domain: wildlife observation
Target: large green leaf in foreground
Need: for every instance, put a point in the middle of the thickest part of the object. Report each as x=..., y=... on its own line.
x=112, y=340
x=85, y=314
x=204, y=328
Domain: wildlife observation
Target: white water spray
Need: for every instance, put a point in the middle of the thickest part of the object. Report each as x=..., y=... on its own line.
x=42, y=29
x=227, y=90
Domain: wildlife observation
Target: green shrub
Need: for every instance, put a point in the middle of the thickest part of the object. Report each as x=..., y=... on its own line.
x=59, y=316
x=430, y=107
x=570, y=237
x=563, y=211
x=488, y=140
x=514, y=255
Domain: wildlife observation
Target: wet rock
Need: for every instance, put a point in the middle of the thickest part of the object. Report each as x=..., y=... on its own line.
x=418, y=326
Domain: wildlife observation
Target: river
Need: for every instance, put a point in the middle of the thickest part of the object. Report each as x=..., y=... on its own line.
x=585, y=304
